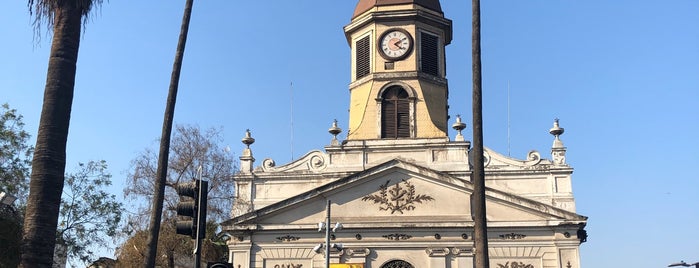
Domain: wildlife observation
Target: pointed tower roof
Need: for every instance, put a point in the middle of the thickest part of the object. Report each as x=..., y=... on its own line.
x=365, y=5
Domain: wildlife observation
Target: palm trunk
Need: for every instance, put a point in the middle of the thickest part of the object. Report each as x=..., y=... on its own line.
x=161, y=173
x=480, y=229
x=48, y=164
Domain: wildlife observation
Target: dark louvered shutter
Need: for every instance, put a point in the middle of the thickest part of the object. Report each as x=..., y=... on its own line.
x=388, y=122
x=429, y=52
x=403, y=116
x=395, y=114
x=363, y=64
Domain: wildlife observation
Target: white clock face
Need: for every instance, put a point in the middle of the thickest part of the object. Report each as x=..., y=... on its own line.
x=395, y=44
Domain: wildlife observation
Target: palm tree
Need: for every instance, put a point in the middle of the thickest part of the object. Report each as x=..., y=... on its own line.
x=161, y=173
x=480, y=229
x=48, y=164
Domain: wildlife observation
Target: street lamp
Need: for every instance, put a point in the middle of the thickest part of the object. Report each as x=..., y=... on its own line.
x=682, y=263
x=7, y=199
x=327, y=246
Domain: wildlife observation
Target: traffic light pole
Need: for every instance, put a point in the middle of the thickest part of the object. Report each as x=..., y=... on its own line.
x=197, y=239
x=201, y=220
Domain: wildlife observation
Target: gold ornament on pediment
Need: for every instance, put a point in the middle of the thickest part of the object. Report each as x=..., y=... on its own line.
x=288, y=238
x=288, y=265
x=398, y=198
x=397, y=237
x=515, y=264
x=513, y=236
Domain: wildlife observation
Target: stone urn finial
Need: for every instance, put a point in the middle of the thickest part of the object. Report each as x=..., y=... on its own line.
x=558, y=151
x=459, y=126
x=246, y=159
x=248, y=140
x=557, y=131
x=334, y=130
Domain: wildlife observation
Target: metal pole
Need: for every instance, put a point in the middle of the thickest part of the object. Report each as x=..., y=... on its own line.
x=201, y=217
x=327, y=237
x=197, y=239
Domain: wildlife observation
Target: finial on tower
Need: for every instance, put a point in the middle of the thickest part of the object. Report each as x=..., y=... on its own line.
x=248, y=138
x=458, y=126
x=246, y=158
x=558, y=151
x=557, y=131
x=334, y=130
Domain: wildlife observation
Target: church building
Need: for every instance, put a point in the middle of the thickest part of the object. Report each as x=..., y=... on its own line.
x=399, y=186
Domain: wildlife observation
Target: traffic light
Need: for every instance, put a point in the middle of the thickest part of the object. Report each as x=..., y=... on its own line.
x=195, y=208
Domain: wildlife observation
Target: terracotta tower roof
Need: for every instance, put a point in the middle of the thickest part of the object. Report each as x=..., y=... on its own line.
x=365, y=5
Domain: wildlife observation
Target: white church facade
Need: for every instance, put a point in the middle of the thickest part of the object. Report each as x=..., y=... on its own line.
x=398, y=184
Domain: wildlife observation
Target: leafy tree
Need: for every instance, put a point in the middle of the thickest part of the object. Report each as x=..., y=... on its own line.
x=191, y=148
x=133, y=252
x=15, y=154
x=88, y=213
x=48, y=165
x=10, y=236
x=173, y=250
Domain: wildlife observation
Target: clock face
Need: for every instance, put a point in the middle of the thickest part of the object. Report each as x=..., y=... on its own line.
x=395, y=44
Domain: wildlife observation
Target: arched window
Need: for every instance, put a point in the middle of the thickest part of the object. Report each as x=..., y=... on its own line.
x=397, y=264
x=395, y=113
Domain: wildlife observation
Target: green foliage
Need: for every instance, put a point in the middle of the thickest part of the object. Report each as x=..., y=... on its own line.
x=215, y=247
x=15, y=160
x=173, y=250
x=10, y=237
x=15, y=154
x=88, y=213
x=44, y=11
x=190, y=148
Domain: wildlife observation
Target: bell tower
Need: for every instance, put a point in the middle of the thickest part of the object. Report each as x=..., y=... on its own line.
x=398, y=87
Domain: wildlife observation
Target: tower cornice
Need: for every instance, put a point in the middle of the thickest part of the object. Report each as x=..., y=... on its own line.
x=366, y=5
x=399, y=76
x=423, y=16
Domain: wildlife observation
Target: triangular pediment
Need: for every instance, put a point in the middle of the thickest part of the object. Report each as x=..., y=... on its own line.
x=400, y=193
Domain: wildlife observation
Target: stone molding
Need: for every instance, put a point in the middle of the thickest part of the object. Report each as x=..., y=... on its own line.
x=314, y=161
x=426, y=16
x=400, y=76
x=357, y=252
x=494, y=160
x=437, y=252
x=517, y=252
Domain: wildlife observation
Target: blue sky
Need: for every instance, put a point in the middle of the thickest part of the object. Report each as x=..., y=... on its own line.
x=622, y=76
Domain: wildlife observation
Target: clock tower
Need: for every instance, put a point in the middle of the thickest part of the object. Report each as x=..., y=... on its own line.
x=398, y=87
